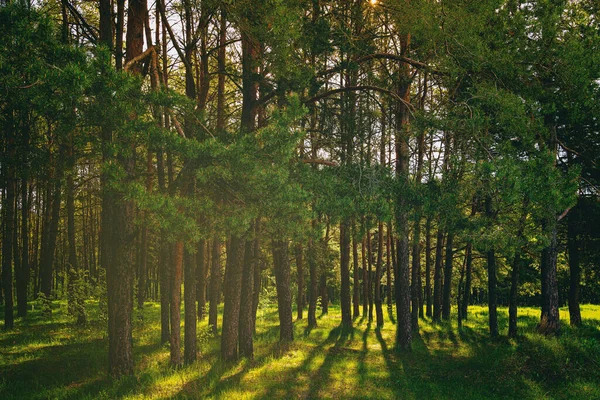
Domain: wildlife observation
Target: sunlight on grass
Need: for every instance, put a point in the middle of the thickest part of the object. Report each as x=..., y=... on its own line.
x=54, y=359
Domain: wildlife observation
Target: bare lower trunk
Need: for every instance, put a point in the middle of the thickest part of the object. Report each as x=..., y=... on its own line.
x=232, y=287
x=284, y=296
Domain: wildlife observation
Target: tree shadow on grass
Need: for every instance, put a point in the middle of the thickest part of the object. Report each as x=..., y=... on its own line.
x=391, y=315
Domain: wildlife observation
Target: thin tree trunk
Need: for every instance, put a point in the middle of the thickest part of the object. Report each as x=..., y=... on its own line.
x=8, y=236
x=437, y=276
x=446, y=304
x=492, y=279
x=300, y=280
x=215, y=282
x=345, y=275
x=356, y=284
x=313, y=284
x=365, y=277
x=378, y=302
x=201, y=279
x=574, y=267
x=246, y=327
x=284, y=296
x=175, y=303
x=189, y=292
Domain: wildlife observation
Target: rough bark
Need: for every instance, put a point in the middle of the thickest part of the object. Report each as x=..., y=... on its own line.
x=215, y=282
x=446, y=304
x=284, y=295
x=175, y=304
x=246, y=327
x=300, y=280
x=232, y=287
x=312, y=285
x=574, y=267
x=356, y=278
x=345, y=275
x=378, y=302
x=437, y=276
x=428, y=294
x=7, y=239
x=189, y=289
x=201, y=279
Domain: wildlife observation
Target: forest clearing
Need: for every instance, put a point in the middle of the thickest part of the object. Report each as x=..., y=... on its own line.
x=300, y=199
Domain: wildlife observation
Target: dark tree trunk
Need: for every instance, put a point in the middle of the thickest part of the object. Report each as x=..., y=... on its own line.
x=448, y=277
x=492, y=306
x=189, y=292
x=300, y=279
x=365, y=278
x=215, y=282
x=403, y=325
x=428, y=296
x=246, y=328
x=356, y=278
x=517, y=263
x=574, y=268
x=22, y=275
x=468, y=279
x=324, y=293
x=175, y=304
x=388, y=270
x=232, y=287
x=416, y=274
x=437, y=276
x=370, y=274
x=512, y=301
x=492, y=279
x=257, y=274
x=549, y=322
x=378, y=302
x=8, y=236
x=345, y=275
x=313, y=287
x=165, y=291
x=201, y=279
x=284, y=295
x=47, y=262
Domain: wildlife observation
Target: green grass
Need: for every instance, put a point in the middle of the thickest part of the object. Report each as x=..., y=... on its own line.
x=51, y=358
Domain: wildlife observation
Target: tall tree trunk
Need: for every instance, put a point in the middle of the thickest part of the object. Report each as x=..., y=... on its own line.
x=22, y=275
x=345, y=275
x=284, y=296
x=163, y=261
x=428, y=294
x=215, y=282
x=371, y=277
x=8, y=234
x=175, y=303
x=492, y=279
x=403, y=325
x=246, y=327
x=232, y=287
x=201, y=279
x=378, y=302
x=517, y=263
x=356, y=278
x=300, y=280
x=446, y=304
x=189, y=291
x=388, y=270
x=574, y=268
x=437, y=276
x=468, y=279
x=365, y=277
x=313, y=285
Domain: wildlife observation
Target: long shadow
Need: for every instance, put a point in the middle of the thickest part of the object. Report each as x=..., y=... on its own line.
x=391, y=316
x=362, y=367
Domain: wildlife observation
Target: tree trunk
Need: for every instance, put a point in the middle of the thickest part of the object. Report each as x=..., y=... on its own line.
x=232, y=287
x=300, y=280
x=574, y=268
x=8, y=236
x=388, y=270
x=215, y=282
x=284, y=296
x=468, y=279
x=403, y=324
x=246, y=328
x=356, y=285
x=492, y=279
x=345, y=275
x=370, y=274
x=22, y=275
x=437, y=276
x=365, y=278
x=189, y=292
x=313, y=285
x=201, y=279
x=512, y=301
x=378, y=302
x=429, y=302
x=175, y=304
x=446, y=305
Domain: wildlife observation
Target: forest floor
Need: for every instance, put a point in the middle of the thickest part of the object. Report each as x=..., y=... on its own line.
x=51, y=358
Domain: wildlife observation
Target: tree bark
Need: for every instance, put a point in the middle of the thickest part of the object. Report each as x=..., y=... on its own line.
x=8, y=236
x=574, y=267
x=215, y=282
x=345, y=275
x=201, y=279
x=246, y=327
x=175, y=304
x=378, y=302
x=313, y=287
x=232, y=287
x=300, y=280
x=437, y=276
x=189, y=290
x=284, y=296
x=446, y=305
x=356, y=284
x=428, y=294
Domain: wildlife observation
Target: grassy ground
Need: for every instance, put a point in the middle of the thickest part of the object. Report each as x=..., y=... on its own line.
x=50, y=358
